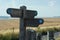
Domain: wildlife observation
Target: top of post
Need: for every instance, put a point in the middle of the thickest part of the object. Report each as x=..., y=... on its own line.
x=23, y=7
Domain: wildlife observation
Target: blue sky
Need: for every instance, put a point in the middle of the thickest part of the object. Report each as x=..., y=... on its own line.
x=45, y=8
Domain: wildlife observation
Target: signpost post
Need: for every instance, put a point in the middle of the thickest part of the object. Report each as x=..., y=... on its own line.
x=22, y=25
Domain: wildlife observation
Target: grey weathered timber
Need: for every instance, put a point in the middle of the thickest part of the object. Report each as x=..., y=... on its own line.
x=39, y=36
x=30, y=34
x=22, y=25
x=22, y=30
x=50, y=35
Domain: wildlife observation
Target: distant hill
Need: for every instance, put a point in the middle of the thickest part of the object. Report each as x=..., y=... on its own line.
x=7, y=17
x=57, y=16
x=4, y=17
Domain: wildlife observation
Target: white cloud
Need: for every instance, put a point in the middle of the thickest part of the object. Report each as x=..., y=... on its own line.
x=51, y=3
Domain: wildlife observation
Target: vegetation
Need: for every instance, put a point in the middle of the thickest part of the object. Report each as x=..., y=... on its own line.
x=7, y=33
x=14, y=35
x=9, y=36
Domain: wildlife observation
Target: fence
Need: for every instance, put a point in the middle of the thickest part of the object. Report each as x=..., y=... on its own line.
x=49, y=35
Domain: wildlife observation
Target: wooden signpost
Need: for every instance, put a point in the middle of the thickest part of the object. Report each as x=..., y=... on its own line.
x=26, y=19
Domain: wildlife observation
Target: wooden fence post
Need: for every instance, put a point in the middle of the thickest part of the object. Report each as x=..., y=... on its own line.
x=30, y=34
x=50, y=35
x=39, y=36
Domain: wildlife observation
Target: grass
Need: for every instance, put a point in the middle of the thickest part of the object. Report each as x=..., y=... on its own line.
x=6, y=27
x=14, y=35
x=9, y=35
x=9, y=23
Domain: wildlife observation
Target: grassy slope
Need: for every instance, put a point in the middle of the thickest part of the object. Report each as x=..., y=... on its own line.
x=8, y=24
x=51, y=23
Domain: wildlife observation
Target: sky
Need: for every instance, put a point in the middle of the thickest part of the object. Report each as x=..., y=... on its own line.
x=45, y=8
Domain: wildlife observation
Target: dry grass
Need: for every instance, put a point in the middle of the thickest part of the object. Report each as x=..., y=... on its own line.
x=9, y=31
x=9, y=24
x=48, y=23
